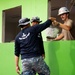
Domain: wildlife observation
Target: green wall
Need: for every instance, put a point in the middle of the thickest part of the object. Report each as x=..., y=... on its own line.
x=60, y=57
x=36, y=8
x=7, y=66
x=30, y=8
x=7, y=4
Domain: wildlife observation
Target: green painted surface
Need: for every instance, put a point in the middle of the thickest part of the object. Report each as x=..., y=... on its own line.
x=30, y=8
x=36, y=8
x=7, y=4
x=60, y=57
x=7, y=61
x=7, y=64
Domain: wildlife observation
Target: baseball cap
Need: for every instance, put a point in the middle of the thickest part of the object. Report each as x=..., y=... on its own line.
x=35, y=19
x=24, y=21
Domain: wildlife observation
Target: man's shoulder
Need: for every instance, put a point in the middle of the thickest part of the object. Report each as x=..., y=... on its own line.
x=17, y=36
x=69, y=20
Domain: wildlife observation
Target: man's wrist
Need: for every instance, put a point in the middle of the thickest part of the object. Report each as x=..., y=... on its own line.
x=58, y=24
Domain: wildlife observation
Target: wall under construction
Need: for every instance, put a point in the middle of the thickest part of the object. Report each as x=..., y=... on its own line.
x=60, y=57
x=29, y=8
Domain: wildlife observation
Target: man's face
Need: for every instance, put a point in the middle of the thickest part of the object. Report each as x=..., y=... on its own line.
x=64, y=16
x=34, y=23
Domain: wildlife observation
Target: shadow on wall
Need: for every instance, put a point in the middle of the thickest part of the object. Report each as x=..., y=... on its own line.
x=72, y=55
x=53, y=47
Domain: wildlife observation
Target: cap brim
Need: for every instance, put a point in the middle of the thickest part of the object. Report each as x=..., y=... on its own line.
x=24, y=23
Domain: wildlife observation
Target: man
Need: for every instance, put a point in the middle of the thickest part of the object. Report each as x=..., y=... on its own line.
x=67, y=26
x=36, y=21
x=27, y=45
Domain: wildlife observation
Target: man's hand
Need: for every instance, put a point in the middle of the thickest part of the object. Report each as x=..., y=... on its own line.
x=55, y=23
x=18, y=69
x=43, y=55
x=52, y=18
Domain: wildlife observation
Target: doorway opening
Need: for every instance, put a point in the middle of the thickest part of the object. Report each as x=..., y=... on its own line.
x=10, y=27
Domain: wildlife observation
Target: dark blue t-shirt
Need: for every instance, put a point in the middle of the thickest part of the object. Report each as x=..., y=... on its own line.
x=27, y=42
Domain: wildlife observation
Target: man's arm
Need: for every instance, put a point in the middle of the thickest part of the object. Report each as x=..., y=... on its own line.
x=17, y=64
x=63, y=26
x=59, y=37
x=41, y=27
x=17, y=53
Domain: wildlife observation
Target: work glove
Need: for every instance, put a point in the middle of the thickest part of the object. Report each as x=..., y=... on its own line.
x=52, y=18
x=55, y=23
